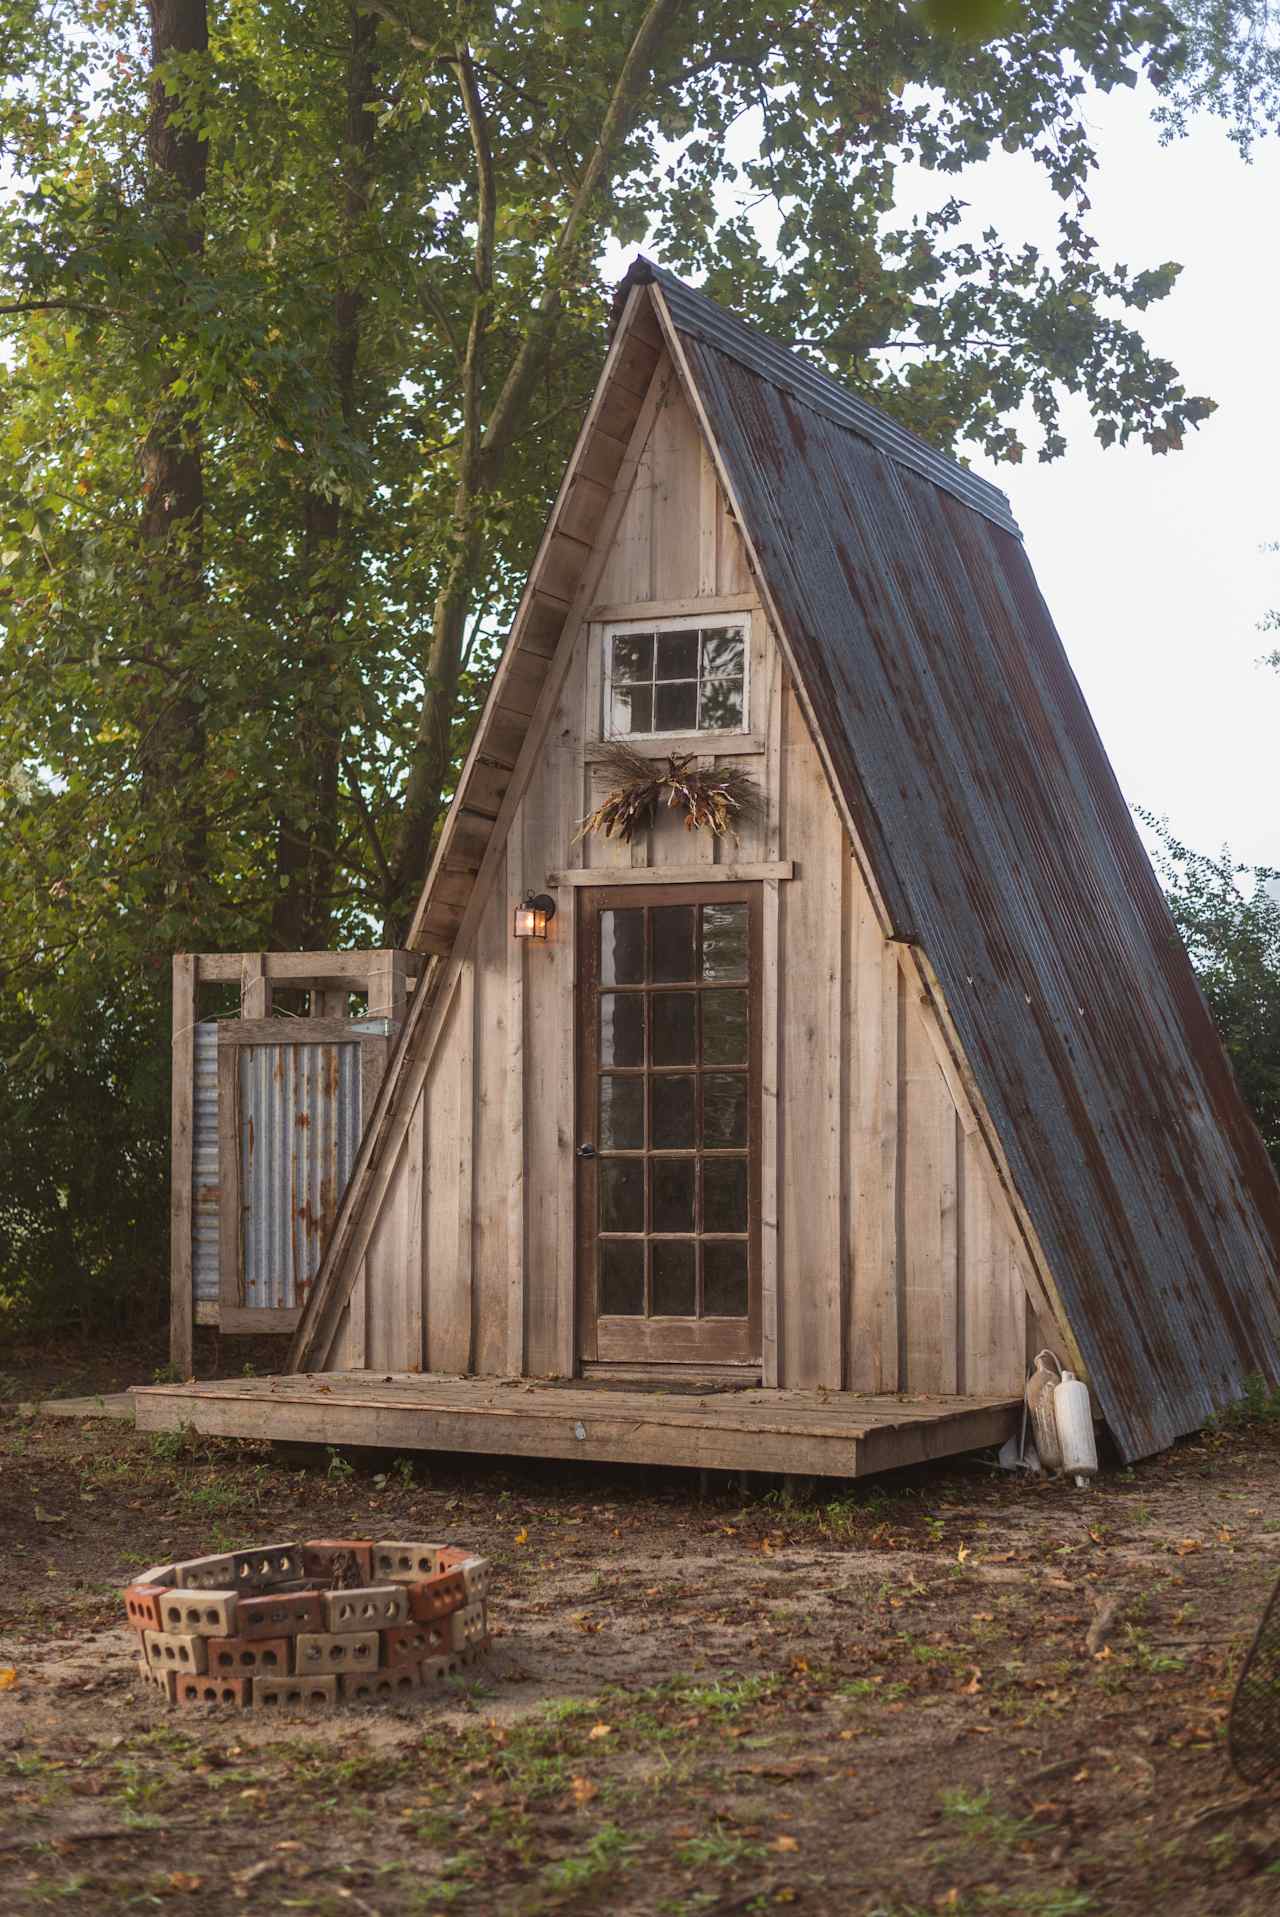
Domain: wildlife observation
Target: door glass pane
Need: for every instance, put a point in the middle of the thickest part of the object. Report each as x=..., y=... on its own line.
x=622, y=1114
x=622, y=1194
x=621, y=1028
x=724, y=1109
x=630, y=709
x=674, y=1279
x=724, y=941
x=724, y=1281
x=672, y=943
x=671, y=1116
x=678, y=655
x=673, y=1194
x=675, y=707
x=722, y=651
x=622, y=948
x=721, y=706
x=724, y=1194
x=633, y=656
x=621, y=1278
x=724, y=1028
x=673, y=1026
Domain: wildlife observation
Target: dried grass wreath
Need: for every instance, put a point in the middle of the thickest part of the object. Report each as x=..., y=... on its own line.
x=713, y=800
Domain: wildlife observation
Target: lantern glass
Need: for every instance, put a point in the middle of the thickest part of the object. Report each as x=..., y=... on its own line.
x=532, y=916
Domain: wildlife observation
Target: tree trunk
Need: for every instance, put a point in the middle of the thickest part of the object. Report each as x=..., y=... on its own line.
x=172, y=523
x=307, y=826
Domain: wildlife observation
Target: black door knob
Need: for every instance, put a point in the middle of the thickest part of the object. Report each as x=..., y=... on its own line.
x=586, y=1151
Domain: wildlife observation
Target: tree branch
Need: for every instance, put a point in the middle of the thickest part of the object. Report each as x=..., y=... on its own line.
x=371, y=829
x=614, y=130
x=482, y=259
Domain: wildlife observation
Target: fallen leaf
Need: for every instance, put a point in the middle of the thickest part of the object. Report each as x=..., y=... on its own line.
x=984, y=1617
x=184, y=1880
x=583, y=1790
x=785, y=1843
x=1082, y=1775
x=974, y=1685
x=1188, y=1545
x=962, y=1554
x=8, y=1677
x=522, y=1537
x=600, y=1730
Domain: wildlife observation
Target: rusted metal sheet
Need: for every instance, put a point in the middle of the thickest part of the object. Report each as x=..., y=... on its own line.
x=1002, y=844
x=206, y=1188
x=301, y=1117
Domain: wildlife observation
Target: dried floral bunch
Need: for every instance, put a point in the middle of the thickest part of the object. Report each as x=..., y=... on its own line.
x=714, y=799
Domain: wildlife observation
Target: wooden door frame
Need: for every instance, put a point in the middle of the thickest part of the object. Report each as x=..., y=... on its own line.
x=619, y=892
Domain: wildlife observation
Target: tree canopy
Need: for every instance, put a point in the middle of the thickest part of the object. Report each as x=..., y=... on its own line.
x=302, y=305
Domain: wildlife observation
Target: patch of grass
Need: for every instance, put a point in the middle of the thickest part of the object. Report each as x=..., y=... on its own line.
x=171, y=1447
x=886, y=1693
x=984, y=1825
x=603, y=1854
x=339, y=1470
x=719, y=1849
x=1259, y=1405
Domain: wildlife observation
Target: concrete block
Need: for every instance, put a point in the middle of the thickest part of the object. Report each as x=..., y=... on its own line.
x=249, y=1656
x=474, y=1570
x=280, y=1614
x=397, y=1563
x=202, y=1613
x=142, y=1606
x=436, y=1597
x=214, y=1690
x=409, y=1644
x=372, y=1608
x=295, y=1693
x=338, y=1651
x=318, y=1556
x=176, y=1651
x=375, y=1687
x=468, y=1627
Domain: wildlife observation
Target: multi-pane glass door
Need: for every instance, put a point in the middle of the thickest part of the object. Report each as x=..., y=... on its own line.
x=668, y=1139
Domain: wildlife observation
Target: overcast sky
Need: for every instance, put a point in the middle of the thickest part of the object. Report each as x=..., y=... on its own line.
x=1154, y=569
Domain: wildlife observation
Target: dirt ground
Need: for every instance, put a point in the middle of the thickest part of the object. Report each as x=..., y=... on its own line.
x=879, y=1699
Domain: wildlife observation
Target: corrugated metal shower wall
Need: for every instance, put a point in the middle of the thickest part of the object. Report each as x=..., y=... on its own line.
x=300, y=1122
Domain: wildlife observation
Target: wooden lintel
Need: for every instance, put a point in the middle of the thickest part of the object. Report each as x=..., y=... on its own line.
x=293, y=1031
x=674, y=608
x=345, y=970
x=612, y=875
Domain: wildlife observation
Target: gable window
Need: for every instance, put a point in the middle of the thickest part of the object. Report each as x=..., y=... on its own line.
x=676, y=678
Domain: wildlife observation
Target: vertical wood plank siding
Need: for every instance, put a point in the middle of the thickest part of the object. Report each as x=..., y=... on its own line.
x=887, y=1263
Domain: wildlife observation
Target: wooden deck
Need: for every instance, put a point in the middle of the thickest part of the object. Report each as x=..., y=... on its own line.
x=828, y=1434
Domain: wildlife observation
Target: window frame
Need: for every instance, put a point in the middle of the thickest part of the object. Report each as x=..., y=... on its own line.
x=684, y=622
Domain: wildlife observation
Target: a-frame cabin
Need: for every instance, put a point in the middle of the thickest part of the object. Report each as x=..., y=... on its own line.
x=853, y=1111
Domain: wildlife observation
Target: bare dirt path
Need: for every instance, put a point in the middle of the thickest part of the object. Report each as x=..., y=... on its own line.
x=883, y=1700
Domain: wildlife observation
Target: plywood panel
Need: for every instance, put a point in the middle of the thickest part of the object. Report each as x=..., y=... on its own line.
x=446, y=1265
x=496, y=1061
x=927, y=1339
x=871, y=1039
x=393, y=1260
x=810, y=1117
x=993, y=1302
x=677, y=493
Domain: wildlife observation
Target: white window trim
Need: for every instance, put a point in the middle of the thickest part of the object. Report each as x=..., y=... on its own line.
x=622, y=628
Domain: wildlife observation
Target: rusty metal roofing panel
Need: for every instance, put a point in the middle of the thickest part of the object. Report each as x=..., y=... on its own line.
x=1002, y=845
x=206, y=1187
x=700, y=318
x=300, y=1123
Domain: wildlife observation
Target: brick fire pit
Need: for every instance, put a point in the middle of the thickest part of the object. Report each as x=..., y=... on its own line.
x=288, y=1626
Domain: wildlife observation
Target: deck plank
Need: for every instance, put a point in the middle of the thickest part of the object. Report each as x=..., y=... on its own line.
x=829, y=1434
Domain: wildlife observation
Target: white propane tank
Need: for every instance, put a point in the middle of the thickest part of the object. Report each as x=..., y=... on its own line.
x=1073, y=1416
x=1044, y=1380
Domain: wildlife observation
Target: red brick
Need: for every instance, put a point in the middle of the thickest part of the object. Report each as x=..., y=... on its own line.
x=318, y=1555
x=202, y=1613
x=295, y=1693
x=376, y=1607
x=469, y=1629
x=176, y=1651
x=410, y=1643
x=214, y=1690
x=248, y=1657
x=404, y=1562
x=436, y=1597
x=142, y=1606
x=336, y=1651
x=474, y=1570
x=280, y=1614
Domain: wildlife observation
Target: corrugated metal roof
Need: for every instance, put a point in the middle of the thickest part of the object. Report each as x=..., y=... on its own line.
x=700, y=318
x=1003, y=846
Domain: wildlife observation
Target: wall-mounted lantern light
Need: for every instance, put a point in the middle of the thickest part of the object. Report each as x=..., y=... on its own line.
x=533, y=915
